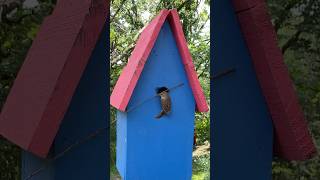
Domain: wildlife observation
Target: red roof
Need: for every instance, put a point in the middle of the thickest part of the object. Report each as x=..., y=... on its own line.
x=50, y=74
x=129, y=77
x=292, y=138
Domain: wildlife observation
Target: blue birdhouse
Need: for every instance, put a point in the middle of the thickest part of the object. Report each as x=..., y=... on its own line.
x=159, y=76
x=256, y=111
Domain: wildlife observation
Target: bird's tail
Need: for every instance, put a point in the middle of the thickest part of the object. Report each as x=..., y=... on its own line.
x=160, y=114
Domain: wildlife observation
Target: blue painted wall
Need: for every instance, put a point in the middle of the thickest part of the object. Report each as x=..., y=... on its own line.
x=241, y=126
x=158, y=149
x=87, y=112
x=121, y=149
x=31, y=163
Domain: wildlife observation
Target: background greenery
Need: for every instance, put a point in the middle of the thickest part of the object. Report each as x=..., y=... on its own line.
x=296, y=22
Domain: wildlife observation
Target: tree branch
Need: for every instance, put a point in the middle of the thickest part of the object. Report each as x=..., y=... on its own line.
x=183, y=4
x=7, y=9
x=202, y=73
x=291, y=41
x=19, y=20
x=283, y=16
x=118, y=10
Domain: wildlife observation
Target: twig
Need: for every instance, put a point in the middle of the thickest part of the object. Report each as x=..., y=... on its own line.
x=183, y=4
x=291, y=41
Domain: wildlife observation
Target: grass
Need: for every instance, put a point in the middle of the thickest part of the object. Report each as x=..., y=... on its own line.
x=200, y=176
x=200, y=169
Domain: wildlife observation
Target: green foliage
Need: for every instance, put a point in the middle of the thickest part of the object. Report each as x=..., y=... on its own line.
x=201, y=168
x=9, y=161
x=202, y=128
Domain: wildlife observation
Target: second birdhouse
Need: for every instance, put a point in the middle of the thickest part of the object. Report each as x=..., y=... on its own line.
x=156, y=97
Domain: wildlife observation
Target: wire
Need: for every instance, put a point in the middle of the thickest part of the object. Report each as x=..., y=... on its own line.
x=223, y=73
x=67, y=149
x=150, y=98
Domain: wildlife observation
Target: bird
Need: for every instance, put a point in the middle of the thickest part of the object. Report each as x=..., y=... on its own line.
x=165, y=104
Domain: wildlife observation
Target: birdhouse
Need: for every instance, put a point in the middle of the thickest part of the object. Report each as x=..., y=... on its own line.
x=156, y=97
x=57, y=108
x=256, y=111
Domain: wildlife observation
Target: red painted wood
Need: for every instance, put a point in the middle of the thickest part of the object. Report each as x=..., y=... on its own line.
x=50, y=74
x=242, y=5
x=187, y=61
x=292, y=138
x=128, y=79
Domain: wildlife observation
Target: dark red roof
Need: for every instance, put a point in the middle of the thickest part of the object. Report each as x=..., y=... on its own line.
x=128, y=79
x=292, y=138
x=50, y=74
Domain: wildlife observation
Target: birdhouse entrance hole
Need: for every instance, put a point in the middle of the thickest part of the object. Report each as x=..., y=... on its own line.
x=161, y=89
